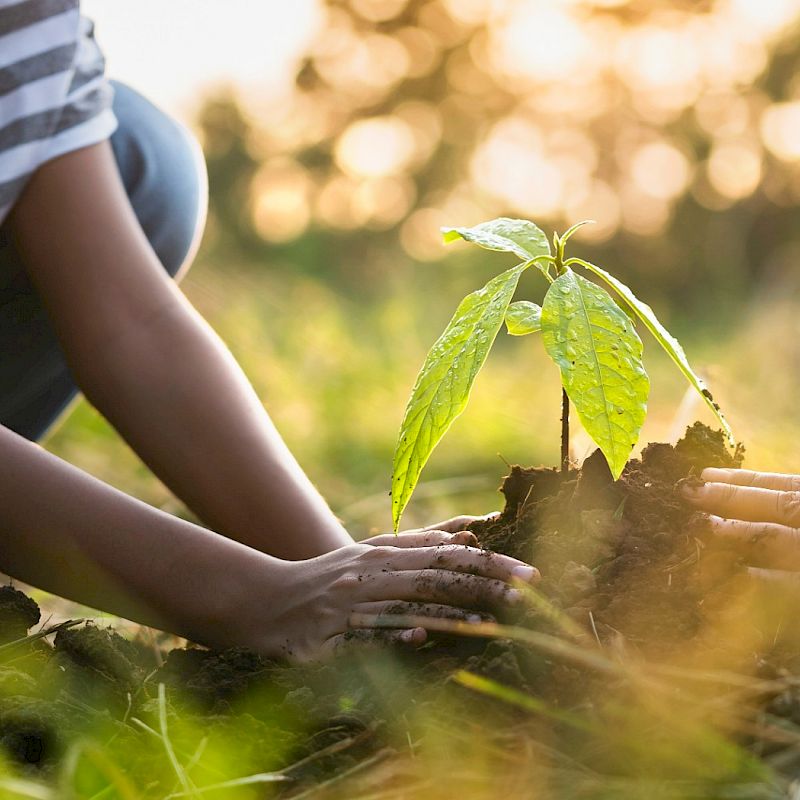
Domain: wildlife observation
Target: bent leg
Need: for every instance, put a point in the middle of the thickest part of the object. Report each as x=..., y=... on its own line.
x=163, y=172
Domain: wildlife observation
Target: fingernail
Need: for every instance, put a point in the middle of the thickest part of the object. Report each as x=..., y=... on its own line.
x=690, y=487
x=523, y=573
x=413, y=635
x=474, y=619
x=513, y=597
x=698, y=524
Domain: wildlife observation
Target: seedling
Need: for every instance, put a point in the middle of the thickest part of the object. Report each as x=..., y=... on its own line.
x=585, y=331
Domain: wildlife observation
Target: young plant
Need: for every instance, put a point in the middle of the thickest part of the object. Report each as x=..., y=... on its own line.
x=587, y=333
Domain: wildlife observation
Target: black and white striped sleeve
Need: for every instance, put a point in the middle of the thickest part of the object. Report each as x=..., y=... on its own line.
x=54, y=96
x=86, y=116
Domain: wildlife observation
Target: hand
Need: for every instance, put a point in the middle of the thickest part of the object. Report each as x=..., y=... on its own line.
x=758, y=511
x=318, y=606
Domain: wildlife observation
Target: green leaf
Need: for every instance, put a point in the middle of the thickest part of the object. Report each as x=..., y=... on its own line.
x=599, y=354
x=519, y=236
x=523, y=317
x=664, y=338
x=443, y=385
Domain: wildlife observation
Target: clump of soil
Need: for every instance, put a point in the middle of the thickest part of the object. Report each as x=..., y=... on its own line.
x=212, y=679
x=18, y=613
x=620, y=557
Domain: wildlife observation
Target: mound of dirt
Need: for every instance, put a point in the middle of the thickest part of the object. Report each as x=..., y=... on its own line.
x=620, y=557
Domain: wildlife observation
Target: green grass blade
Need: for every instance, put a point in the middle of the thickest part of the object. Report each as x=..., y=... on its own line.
x=523, y=317
x=444, y=383
x=186, y=783
x=599, y=354
x=234, y=783
x=507, y=694
x=20, y=787
x=664, y=338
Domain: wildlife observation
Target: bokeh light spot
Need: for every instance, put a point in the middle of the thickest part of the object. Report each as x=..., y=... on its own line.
x=279, y=200
x=780, y=129
x=660, y=170
x=734, y=169
x=376, y=147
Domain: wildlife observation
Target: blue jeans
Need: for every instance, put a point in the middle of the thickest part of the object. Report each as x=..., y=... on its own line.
x=164, y=176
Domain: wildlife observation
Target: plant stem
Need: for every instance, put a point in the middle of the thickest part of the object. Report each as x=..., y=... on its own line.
x=564, y=431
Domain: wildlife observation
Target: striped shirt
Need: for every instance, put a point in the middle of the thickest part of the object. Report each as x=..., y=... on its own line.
x=54, y=97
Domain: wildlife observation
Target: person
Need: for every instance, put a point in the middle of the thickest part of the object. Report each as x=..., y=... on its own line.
x=758, y=513
x=102, y=200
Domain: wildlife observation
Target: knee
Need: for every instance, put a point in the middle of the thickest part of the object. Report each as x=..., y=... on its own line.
x=189, y=222
x=163, y=170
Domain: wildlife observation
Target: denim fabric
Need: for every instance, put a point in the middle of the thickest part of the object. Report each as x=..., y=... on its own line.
x=164, y=176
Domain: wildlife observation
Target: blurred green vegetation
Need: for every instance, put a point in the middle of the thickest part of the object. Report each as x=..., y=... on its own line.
x=672, y=124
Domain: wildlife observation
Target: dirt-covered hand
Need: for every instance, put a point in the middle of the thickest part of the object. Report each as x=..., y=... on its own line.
x=324, y=604
x=757, y=511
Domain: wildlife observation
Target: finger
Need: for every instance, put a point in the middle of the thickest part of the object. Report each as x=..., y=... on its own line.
x=765, y=544
x=778, y=577
x=399, y=608
x=759, y=480
x=773, y=594
x=456, y=524
x=467, y=538
x=463, y=559
x=440, y=586
x=746, y=503
x=776, y=584
x=423, y=538
x=372, y=638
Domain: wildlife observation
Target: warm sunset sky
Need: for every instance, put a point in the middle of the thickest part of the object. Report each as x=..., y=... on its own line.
x=169, y=49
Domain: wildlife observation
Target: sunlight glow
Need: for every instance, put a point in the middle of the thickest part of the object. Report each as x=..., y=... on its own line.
x=766, y=16
x=378, y=10
x=530, y=102
x=660, y=170
x=599, y=203
x=734, y=169
x=510, y=164
x=642, y=213
x=279, y=198
x=376, y=147
x=146, y=44
x=541, y=42
x=780, y=127
x=366, y=63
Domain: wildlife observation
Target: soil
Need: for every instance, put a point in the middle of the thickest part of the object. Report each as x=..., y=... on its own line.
x=622, y=557
x=629, y=577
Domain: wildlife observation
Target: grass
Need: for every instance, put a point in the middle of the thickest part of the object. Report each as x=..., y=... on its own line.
x=647, y=731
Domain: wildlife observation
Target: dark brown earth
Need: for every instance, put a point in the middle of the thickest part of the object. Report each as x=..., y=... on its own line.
x=621, y=557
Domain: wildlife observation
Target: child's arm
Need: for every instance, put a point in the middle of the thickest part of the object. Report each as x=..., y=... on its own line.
x=69, y=533
x=164, y=379
x=155, y=369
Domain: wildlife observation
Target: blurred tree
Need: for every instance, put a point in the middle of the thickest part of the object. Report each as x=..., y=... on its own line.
x=673, y=124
